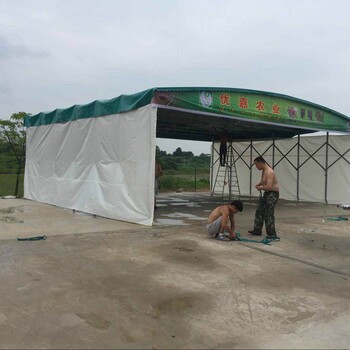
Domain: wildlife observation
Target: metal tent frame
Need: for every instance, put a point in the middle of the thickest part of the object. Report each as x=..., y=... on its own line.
x=250, y=149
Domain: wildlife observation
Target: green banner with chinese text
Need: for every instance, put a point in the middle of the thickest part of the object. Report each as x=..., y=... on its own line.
x=256, y=106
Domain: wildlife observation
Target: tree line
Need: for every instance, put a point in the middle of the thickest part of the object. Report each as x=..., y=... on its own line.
x=182, y=160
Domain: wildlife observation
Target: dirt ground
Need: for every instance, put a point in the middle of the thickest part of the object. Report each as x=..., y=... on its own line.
x=100, y=283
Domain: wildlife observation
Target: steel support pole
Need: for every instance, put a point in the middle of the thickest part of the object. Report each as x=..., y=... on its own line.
x=230, y=172
x=298, y=165
x=326, y=171
x=212, y=167
x=273, y=152
x=250, y=167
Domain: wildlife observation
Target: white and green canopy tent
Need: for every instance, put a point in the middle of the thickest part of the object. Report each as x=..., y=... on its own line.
x=99, y=158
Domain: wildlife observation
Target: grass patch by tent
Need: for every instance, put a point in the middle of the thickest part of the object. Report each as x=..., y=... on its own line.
x=8, y=184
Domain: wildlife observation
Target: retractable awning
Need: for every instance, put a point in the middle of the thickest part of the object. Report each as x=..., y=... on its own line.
x=205, y=113
x=100, y=157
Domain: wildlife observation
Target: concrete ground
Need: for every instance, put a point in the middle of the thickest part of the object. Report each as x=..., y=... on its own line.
x=100, y=283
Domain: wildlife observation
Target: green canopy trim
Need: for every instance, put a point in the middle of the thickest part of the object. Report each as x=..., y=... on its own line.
x=97, y=108
x=250, y=105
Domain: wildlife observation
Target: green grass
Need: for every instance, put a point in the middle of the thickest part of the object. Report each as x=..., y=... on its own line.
x=8, y=184
x=186, y=182
x=174, y=181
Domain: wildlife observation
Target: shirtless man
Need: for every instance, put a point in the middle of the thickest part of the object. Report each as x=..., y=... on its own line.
x=266, y=204
x=218, y=220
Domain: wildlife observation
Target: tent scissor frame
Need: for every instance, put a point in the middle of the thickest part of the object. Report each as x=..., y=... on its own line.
x=310, y=156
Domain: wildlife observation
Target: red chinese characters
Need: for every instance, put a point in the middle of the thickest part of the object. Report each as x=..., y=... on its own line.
x=243, y=102
x=276, y=109
x=260, y=105
x=225, y=99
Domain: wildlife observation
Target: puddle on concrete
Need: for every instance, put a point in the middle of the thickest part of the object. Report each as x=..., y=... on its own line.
x=11, y=210
x=171, y=199
x=171, y=222
x=183, y=215
x=194, y=205
x=186, y=204
x=175, y=203
x=11, y=219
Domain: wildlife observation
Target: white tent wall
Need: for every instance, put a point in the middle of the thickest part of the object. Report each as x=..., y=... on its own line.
x=102, y=165
x=339, y=173
x=319, y=161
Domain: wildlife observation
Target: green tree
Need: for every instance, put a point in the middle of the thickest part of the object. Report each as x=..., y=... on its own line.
x=188, y=154
x=177, y=152
x=12, y=132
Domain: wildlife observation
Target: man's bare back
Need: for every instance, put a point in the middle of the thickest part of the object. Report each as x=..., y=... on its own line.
x=217, y=212
x=226, y=213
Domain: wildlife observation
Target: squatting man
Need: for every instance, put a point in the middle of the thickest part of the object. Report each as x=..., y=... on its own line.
x=218, y=221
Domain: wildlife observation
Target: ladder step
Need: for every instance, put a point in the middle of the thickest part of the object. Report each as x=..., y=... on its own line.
x=223, y=183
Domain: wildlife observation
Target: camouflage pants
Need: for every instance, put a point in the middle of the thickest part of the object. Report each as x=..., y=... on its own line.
x=265, y=212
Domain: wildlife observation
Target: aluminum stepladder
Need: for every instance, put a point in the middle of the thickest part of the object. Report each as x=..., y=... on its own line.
x=226, y=178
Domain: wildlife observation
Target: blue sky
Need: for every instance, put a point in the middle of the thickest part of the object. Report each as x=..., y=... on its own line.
x=54, y=54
